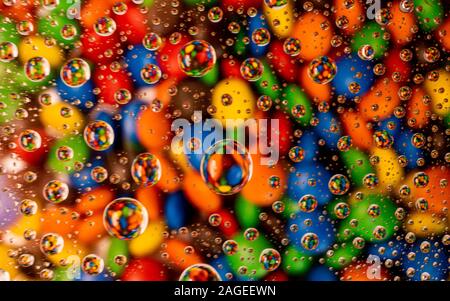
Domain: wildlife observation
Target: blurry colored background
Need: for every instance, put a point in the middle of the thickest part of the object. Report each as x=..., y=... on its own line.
x=93, y=189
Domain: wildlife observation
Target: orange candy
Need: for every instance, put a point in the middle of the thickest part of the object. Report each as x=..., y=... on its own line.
x=436, y=196
x=177, y=255
x=314, y=32
x=265, y=194
x=417, y=110
x=91, y=229
x=401, y=24
x=170, y=176
x=443, y=34
x=94, y=9
x=351, y=14
x=355, y=126
x=149, y=197
x=58, y=220
x=361, y=271
x=317, y=91
x=200, y=196
x=95, y=200
x=20, y=10
x=153, y=129
x=380, y=101
x=162, y=88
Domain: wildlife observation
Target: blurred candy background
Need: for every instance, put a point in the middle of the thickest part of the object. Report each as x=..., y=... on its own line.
x=93, y=189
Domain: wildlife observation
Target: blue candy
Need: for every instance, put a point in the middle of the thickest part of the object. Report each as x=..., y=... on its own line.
x=136, y=59
x=348, y=68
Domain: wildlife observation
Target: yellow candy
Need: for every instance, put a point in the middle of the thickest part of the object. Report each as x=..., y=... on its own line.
x=58, y=125
x=178, y=156
x=388, y=170
x=70, y=254
x=149, y=241
x=27, y=222
x=242, y=103
x=425, y=224
x=8, y=264
x=35, y=46
x=439, y=91
x=281, y=20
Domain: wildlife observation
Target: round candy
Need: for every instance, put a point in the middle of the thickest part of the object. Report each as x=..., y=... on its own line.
x=339, y=184
x=322, y=70
x=251, y=234
x=99, y=135
x=152, y=41
x=366, y=52
x=197, y=58
x=307, y=203
x=310, y=241
x=105, y=26
x=151, y=74
x=342, y=210
x=99, y=174
x=264, y=103
x=252, y=69
x=215, y=14
x=296, y=154
x=146, y=169
x=226, y=167
x=230, y=247
x=8, y=52
x=215, y=219
x=270, y=259
x=344, y=143
x=75, y=72
x=200, y=272
x=370, y=180
x=92, y=264
x=37, y=69
x=125, y=218
x=28, y=207
x=276, y=3
x=261, y=36
x=55, y=191
x=421, y=179
x=292, y=46
x=30, y=140
x=51, y=244
x=383, y=139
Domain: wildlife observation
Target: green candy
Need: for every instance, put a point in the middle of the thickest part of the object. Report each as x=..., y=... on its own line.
x=295, y=262
x=291, y=207
x=268, y=80
x=35, y=87
x=367, y=223
x=343, y=256
x=447, y=121
x=52, y=25
x=116, y=248
x=8, y=32
x=199, y=2
x=240, y=47
x=330, y=206
x=80, y=154
x=246, y=213
x=211, y=77
x=248, y=256
x=357, y=164
x=295, y=96
x=371, y=34
x=8, y=106
x=427, y=11
x=8, y=77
